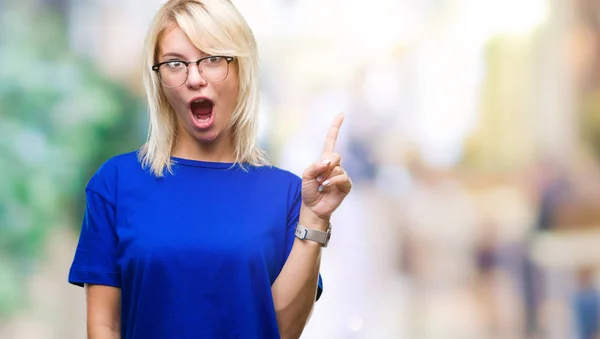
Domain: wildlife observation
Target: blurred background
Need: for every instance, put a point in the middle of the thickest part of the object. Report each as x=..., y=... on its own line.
x=472, y=135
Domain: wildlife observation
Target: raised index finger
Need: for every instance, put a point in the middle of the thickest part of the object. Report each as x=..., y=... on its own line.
x=332, y=135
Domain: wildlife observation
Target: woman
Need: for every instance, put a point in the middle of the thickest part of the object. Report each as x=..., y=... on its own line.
x=195, y=235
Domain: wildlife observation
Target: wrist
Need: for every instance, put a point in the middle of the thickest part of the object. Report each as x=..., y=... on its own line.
x=310, y=220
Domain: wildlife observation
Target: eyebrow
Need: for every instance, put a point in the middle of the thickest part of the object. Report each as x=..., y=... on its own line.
x=177, y=55
x=171, y=54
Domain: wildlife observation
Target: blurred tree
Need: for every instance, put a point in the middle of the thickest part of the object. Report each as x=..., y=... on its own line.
x=586, y=37
x=60, y=118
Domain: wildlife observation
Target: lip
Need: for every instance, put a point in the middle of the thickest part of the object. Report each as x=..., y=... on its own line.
x=198, y=98
x=201, y=125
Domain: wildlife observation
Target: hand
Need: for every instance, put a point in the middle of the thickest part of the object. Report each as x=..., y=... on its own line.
x=325, y=184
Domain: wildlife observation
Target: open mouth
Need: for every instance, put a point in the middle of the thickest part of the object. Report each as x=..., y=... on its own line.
x=202, y=110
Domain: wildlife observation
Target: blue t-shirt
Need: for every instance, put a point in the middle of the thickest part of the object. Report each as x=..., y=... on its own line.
x=195, y=252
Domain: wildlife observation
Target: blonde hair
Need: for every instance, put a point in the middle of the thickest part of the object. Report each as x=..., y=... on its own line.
x=216, y=28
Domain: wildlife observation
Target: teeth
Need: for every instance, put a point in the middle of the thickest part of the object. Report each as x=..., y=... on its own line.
x=199, y=101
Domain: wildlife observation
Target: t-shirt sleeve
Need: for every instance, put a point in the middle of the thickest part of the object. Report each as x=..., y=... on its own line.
x=293, y=218
x=95, y=260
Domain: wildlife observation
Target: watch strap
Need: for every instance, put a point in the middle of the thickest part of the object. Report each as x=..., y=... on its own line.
x=322, y=237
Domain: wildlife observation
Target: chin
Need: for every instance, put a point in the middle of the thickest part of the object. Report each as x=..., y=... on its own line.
x=206, y=136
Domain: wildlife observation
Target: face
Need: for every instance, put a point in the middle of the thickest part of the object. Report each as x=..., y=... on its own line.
x=203, y=108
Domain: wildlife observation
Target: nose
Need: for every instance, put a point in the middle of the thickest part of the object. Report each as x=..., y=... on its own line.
x=194, y=79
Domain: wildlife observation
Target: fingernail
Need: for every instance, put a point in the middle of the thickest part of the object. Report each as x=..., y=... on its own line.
x=326, y=162
x=326, y=183
x=321, y=188
x=320, y=178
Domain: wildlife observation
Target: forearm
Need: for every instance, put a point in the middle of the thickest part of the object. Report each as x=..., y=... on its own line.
x=102, y=332
x=103, y=312
x=294, y=290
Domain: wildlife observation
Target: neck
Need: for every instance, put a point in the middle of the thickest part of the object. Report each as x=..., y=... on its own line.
x=219, y=150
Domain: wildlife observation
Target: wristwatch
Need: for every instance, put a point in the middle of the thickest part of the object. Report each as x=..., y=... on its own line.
x=321, y=237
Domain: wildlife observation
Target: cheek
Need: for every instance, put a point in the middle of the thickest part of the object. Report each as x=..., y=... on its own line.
x=174, y=99
x=232, y=88
x=170, y=97
x=232, y=95
x=227, y=95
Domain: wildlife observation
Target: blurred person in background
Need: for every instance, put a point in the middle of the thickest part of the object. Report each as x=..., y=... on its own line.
x=487, y=267
x=552, y=189
x=196, y=235
x=586, y=305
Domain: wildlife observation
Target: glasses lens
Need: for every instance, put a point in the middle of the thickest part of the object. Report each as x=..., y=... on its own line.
x=214, y=69
x=173, y=74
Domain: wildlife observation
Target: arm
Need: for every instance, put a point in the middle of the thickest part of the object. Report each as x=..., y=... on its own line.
x=103, y=312
x=295, y=289
x=325, y=184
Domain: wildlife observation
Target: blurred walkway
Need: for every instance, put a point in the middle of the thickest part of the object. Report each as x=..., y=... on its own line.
x=59, y=311
x=365, y=296
x=398, y=266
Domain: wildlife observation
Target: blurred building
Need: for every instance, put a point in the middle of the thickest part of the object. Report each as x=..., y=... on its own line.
x=472, y=134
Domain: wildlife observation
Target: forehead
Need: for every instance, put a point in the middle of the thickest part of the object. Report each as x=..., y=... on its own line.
x=175, y=41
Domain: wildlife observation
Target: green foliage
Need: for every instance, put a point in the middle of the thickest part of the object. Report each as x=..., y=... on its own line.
x=589, y=111
x=60, y=118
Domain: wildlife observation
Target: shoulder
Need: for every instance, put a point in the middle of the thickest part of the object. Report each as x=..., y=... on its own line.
x=117, y=168
x=281, y=182
x=278, y=175
x=119, y=164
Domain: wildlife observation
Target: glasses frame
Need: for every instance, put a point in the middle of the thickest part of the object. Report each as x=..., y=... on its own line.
x=187, y=64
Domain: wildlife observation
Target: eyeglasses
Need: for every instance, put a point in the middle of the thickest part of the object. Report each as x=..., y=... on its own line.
x=174, y=73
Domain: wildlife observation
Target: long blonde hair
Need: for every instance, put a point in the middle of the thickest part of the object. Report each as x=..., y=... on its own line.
x=224, y=32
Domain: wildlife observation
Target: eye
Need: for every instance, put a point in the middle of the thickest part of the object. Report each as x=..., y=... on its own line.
x=214, y=60
x=175, y=64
